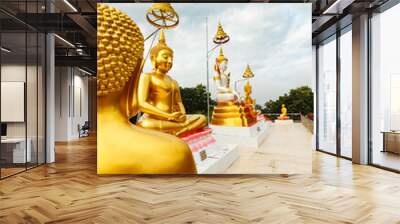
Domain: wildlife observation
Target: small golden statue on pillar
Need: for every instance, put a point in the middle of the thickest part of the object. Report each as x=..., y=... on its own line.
x=283, y=115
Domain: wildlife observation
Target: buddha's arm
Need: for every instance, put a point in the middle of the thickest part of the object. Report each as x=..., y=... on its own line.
x=178, y=98
x=220, y=88
x=143, y=94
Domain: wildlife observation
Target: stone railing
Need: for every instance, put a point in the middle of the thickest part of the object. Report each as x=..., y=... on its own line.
x=296, y=117
x=308, y=123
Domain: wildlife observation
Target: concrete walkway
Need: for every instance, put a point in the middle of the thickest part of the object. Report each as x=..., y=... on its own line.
x=286, y=150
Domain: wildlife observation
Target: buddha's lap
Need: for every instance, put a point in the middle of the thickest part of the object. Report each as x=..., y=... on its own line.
x=121, y=145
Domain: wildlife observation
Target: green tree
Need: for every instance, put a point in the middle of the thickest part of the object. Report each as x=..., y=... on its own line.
x=195, y=99
x=298, y=100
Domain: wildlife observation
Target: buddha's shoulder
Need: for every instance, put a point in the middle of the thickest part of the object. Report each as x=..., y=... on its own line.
x=148, y=75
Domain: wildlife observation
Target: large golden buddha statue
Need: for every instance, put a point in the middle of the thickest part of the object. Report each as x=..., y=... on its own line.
x=159, y=96
x=229, y=110
x=123, y=148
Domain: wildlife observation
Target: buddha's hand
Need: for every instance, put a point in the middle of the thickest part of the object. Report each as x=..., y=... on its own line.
x=182, y=118
x=178, y=116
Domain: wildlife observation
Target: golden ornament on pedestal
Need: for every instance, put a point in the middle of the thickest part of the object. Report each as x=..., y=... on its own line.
x=123, y=148
x=160, y=99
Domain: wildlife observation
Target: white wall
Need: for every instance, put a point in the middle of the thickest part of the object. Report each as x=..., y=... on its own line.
x=16, y=73
x=71, y=102
x=33, y=126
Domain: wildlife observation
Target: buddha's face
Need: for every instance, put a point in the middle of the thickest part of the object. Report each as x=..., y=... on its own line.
x=163, y=60
x=223, y=65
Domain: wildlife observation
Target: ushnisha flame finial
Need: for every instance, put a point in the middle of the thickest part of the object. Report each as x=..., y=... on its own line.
x=221, y=56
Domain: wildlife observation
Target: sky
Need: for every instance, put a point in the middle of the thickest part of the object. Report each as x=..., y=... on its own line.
x=274, y=39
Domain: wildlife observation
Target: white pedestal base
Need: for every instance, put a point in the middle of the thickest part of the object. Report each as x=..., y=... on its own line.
x=246, y=136
x=219, y=158
x=209, y=156
x=284, y=122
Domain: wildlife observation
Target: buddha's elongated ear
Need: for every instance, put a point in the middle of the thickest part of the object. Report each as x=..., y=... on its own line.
x=120, y=47
x=153, y=61
x=129, y=100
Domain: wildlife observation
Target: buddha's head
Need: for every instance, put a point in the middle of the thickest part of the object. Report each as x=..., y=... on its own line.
x=161, y=55
x=283, y=105
x=221, y=61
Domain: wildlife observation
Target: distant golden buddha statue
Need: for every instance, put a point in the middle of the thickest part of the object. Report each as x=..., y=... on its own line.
x=123, y=148
x=229, y=111
x=159, y=96
x=249, y=102
x=283, y=115
x=247, y=90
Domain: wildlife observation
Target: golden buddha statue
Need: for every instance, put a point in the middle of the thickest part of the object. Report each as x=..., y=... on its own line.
x=247, y=88
x=229, y=110
x=249, y=102
x=283, y=115
x=123, y=148
x=159, y=96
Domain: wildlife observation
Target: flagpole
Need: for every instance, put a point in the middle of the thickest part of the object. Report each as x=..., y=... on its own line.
x=208, y=78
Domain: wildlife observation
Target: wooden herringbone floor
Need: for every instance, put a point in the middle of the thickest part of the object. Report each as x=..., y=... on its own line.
x=69, y=191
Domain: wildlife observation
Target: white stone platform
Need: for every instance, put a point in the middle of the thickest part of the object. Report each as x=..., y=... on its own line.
x=283, y=122
x=219, y=159
x=251, y=136
x=209, y=156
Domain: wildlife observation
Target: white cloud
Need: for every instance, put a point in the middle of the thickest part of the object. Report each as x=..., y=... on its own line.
x=275, y=39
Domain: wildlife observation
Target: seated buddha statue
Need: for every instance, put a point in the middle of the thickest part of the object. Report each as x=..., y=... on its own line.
x=247, y=90
x=123, y=148
x=249, y=102
x=229, y=111
x=159, y=97
x=283, y=115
